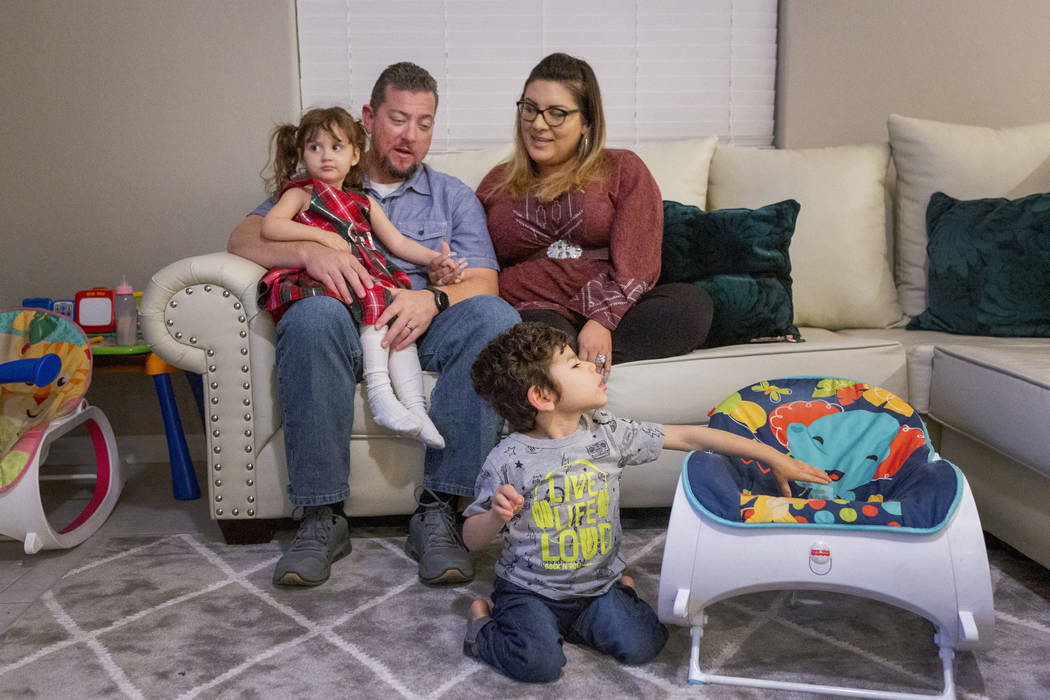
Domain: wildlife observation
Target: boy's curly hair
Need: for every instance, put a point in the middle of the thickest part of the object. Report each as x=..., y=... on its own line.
x=513, y=361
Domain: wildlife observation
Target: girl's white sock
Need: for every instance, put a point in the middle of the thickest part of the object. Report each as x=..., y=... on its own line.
x=407, y=377
x=386, y=409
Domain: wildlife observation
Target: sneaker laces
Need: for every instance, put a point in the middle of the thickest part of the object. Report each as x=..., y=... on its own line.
x=314, y=529
x=439, y=525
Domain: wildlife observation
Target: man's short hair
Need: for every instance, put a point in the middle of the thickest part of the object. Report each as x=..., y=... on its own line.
x=518, y=358
x=403, y=76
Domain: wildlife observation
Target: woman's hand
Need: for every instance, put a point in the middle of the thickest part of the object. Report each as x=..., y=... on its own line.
x=445, y=268
x=595, y=342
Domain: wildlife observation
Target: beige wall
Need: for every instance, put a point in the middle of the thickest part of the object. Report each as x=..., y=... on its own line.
x=133, y=132
x=846, y=65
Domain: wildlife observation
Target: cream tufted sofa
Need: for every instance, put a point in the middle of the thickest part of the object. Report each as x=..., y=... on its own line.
x=850, y=302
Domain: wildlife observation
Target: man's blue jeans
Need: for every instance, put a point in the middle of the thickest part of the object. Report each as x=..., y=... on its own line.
x=319, y=362
x=524, y=636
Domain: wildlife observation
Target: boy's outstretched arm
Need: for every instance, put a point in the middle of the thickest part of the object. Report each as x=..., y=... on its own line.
x=478, y=530
x=785, y=468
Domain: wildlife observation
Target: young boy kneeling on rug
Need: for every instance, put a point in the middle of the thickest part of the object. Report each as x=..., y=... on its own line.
x=552, y=489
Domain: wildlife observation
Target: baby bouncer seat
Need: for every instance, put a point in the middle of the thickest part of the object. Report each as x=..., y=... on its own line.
x=45, y=370
x=896, y=524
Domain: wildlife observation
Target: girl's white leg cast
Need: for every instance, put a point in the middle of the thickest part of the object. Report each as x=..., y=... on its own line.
x=386, y=409
x=407, y=377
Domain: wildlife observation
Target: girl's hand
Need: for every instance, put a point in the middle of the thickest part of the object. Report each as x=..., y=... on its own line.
x=506, y=502
x=335, y=241
x=595, y=342
x=445, y=267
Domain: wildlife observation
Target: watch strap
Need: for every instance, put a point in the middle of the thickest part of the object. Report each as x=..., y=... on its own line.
x=440, y=298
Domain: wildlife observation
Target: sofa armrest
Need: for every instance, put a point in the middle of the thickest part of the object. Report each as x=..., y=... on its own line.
x=231, y=277
x=201, y=314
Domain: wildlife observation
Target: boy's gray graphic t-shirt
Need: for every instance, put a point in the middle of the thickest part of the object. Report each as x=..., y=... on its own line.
x=565, y=541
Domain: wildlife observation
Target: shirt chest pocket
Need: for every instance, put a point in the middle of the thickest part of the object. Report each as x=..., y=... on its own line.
x=428, y=232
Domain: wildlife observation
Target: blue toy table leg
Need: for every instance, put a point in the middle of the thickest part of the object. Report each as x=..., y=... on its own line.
x=183, y=478
x=196, y=383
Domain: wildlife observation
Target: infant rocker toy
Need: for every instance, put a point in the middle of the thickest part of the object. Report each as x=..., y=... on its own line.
x=45, y=371
x=896, y=523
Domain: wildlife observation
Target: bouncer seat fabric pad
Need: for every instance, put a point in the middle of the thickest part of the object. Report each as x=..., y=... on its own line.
x=26, y=409
x=874, y=446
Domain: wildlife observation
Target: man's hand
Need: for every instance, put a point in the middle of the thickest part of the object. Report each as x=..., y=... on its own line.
x=338, y=270
x=409, y=315
x=506, y=502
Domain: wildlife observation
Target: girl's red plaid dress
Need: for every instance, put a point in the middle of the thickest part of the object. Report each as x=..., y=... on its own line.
x=345, y=213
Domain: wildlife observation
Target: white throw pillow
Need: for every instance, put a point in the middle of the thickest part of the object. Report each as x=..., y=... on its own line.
x=840, y=267
x=965, y=162
x=469, y=166
x=680, y=168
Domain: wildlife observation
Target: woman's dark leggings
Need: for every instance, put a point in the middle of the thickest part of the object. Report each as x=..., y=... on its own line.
x=668, y=320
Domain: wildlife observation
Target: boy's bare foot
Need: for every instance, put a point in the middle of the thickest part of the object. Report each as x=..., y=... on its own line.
x=479, y=609
x=627, y=581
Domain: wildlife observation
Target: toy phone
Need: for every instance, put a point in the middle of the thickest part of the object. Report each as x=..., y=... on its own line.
x=64, y=307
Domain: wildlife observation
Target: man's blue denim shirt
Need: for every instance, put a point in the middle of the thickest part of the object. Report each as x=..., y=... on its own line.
x=427, y=208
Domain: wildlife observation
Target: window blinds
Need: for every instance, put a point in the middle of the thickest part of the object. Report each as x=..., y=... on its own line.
x=668, y=69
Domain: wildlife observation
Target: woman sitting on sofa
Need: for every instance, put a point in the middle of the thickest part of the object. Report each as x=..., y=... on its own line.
x=578, y=228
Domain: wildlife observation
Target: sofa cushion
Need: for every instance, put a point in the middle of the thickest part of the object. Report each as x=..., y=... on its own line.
x=680, y=168
x=740, y=257
x=967, y=162
x=989, y=266
x=839, y=261
x=469, y=166
x=919, y=346
x=1000, y=396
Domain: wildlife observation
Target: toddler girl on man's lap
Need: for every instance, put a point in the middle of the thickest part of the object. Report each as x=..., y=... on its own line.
x=326, y=206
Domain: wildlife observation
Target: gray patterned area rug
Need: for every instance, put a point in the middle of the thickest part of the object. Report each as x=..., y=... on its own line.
x=182, y=616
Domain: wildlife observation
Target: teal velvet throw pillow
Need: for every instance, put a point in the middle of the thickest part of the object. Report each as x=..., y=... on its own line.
x=989, y=266
x=740, y=257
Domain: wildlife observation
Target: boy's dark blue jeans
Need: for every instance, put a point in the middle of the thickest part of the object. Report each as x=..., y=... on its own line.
x=524, y=635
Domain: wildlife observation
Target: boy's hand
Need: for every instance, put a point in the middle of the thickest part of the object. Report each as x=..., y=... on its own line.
x=506, y=502
x=788, y=469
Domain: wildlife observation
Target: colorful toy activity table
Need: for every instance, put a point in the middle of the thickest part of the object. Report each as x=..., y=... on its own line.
x=110, y=357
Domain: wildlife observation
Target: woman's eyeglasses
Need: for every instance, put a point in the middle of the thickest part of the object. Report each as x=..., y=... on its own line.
x=554, y=116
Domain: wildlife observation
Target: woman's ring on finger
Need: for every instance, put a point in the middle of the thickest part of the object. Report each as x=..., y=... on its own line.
x=599, y=360
x=410, y=328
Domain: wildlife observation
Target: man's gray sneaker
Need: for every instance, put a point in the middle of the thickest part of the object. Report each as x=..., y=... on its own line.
x=434, y=540
x=323, y=537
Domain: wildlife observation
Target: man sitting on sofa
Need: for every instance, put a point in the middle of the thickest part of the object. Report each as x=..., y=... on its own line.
x=319, y=352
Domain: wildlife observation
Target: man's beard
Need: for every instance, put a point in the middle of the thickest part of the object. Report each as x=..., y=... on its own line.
x=397, y=173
